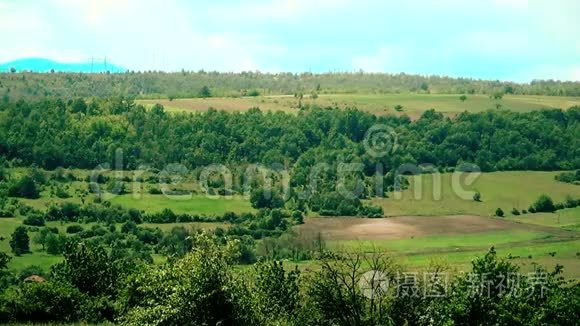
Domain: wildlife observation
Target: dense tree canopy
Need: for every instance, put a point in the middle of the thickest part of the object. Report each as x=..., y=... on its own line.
x=50, y=134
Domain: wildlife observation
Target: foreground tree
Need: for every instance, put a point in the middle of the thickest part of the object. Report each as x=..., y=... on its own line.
x=20, y=242
x=199, y=289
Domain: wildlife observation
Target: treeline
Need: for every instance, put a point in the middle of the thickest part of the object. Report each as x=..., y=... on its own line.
x=74, y=133
x=15, y=86
x=95, y=285
x=328, y=154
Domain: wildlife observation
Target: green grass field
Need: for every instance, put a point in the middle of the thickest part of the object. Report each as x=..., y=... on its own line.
x=36, y=257
x=568, y=219
x=444, y=243
x=195, y=204
x=413, y=104
x=526, y=245
x=504, y=190
x=566, y=254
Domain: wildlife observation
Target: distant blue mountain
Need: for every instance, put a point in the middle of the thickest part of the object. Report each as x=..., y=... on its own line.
x=46, y=65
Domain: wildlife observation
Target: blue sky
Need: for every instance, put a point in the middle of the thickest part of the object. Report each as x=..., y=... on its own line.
x=516, y=40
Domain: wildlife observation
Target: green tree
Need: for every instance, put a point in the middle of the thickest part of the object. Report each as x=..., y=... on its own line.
x=499, y=212
x=4, y=260
x=55, y=244
x=43, y=303
x=477, y=196
x=199, y=289
x=462, y=98
x=205, y=92
x=20, y=242
x=41, y=236
x=277, y=291
x=24, y=187
x=263, y=198
x=544, y=203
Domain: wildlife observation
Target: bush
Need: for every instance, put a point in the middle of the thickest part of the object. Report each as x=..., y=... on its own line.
x=129, y=227
x=75, y=228
x=571, y=202
x=60, y=192
x=43, y=302
x=544, y=204
x=262, y=198
x=155, y=191
x=499, y=212
x=298, y=217
x=515, y=211
x=477, y=196
x=20, y=242
x=34, y=220
x=24, y=187
x=55, y=243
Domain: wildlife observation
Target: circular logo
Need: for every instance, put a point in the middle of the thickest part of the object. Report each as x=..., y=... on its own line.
x=373, y=284
x=380, y=140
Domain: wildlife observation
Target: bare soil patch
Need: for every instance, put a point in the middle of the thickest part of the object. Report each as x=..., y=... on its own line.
x=401, y=227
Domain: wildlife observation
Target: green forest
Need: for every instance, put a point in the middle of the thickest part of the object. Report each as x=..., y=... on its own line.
x=110, y=263
x=187, y=84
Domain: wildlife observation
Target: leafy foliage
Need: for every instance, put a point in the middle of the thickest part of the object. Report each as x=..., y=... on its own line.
x=20, y=242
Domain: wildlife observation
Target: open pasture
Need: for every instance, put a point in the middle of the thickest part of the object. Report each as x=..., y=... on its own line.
x=412, y=104
x=446, y=194
x=419, y=241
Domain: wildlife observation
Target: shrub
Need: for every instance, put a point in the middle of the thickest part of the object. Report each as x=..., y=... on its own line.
x=544, y=204
x=155, y=191
x=515, y=211
x=34, y=220
x=477, y=196
x=129, y=227
x=20, y=242
x=24, y=187
x=43, y=302
x=262, y=198
x=499, y=212
x=298, y=217
x=74, y=228
x=571, y=202
x=60, y=192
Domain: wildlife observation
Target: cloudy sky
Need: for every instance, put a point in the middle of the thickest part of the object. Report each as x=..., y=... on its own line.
x=516, y=40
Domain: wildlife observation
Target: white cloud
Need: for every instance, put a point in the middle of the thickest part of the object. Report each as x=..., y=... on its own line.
x=385, y=59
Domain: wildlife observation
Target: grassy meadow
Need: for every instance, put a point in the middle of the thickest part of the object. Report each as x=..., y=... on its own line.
x=453, y=195
x=190, y=204
x=413, y=104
